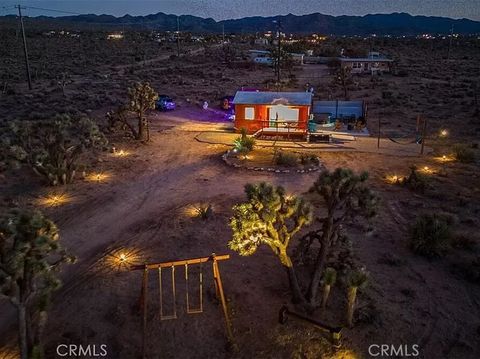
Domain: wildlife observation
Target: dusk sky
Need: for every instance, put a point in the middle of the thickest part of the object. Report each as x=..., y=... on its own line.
x=220, y=10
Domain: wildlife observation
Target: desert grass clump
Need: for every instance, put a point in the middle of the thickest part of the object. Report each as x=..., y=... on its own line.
x=204, y=212
x=463, y=153
x=287, y=159
x=430, y=236
x=307, y=159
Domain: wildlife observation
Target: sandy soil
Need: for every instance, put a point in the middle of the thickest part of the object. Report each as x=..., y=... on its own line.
x=142, y=210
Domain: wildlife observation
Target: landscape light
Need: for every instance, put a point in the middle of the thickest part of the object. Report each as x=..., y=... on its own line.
x=121, y=153
x=393, y=179
x=123, y=259
x=54, y=200
x=98, y=177
x=443, y=133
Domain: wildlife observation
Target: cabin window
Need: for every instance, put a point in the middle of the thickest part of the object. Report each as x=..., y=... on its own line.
x=249, y=113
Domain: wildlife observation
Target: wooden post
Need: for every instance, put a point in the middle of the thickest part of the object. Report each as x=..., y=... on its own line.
x=219, y=286
x=144, y=305
x=379, y=127
x=424, y=132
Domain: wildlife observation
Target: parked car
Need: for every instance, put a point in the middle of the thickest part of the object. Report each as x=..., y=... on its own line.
x=165, y=103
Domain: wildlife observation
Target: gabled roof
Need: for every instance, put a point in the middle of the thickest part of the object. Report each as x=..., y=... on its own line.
x=269, y=98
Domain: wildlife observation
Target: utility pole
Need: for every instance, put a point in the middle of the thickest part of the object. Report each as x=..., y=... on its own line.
x=178, y=36
x=279, y=27
x=25, y=52
x=450, y=43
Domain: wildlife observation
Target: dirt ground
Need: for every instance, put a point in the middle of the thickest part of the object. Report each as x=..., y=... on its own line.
x=143, y=210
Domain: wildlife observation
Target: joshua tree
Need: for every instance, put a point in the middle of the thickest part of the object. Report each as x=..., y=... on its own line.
x=142, y=98
x=343, y=78
x=30, y=254
x=53, y=147
x=344, y=197
x=273, y=218
x=329, y=279
x=269, y=217
x=355, y=279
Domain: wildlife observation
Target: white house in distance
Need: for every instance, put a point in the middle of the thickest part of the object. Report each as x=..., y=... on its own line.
x=374, y=63
x=264, y=57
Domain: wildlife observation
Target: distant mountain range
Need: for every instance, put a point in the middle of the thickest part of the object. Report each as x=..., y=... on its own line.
x=397, y=24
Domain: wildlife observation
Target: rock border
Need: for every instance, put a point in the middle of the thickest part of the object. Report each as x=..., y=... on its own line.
x=314, y=168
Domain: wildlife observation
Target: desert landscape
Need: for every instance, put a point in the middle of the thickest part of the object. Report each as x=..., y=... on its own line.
x=173, y=197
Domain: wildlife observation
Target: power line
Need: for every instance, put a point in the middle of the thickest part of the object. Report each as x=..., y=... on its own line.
x=53, y=10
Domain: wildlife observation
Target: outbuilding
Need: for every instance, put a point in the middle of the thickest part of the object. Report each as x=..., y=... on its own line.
x=272, y=112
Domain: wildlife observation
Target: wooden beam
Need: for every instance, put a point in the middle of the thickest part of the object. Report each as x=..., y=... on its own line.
x=179, y=262
x=219, y=287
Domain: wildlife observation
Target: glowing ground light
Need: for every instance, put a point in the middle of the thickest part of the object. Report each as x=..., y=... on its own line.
x=98, y=177
x=443, y=133
x=121, y=153
x=54, y=200
x=445, y=158
x=123, y=259
x=394, y=179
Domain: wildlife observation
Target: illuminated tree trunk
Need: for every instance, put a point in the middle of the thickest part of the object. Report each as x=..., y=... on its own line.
x=326, y=293
x=352, y=295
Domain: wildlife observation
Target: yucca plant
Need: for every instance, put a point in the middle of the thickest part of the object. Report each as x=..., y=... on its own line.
x=244, y=144
x=329, y=279
x=204, y=211
x=355, y=279
x=430, y=235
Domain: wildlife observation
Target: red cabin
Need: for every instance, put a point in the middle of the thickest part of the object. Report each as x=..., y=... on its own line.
x=274, y=113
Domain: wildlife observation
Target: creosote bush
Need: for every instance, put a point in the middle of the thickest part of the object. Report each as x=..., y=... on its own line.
x=288, y=159
x=463, y=153
x=430, y=236
x=415, y=181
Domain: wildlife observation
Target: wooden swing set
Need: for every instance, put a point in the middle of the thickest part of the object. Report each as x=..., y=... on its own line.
x=161, y=267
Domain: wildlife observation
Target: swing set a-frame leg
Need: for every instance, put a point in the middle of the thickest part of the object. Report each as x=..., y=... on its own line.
x=221, y=297
x=143, y=306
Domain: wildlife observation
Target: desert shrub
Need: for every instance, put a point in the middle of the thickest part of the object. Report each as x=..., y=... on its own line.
x=307, y=159
x=415, y=181
x=288, y=159
x=244, y=144
x=469, y=270
x=430, y=236
x=463, y=153
x=465, y=240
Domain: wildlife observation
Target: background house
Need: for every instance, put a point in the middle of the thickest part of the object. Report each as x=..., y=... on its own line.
x=277, y=112
x=373, y=63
